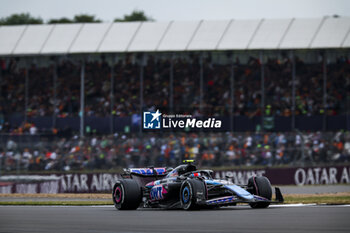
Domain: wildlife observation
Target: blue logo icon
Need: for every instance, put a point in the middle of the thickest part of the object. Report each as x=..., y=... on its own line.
x=151, y=120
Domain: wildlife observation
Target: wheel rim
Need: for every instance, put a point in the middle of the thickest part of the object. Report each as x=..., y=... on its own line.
x=185, y=195
x=118, y=195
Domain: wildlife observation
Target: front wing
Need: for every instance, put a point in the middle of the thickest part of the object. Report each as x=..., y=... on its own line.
x=232, y=200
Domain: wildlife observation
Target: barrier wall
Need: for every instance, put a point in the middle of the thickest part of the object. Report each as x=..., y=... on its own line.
x=103, y=182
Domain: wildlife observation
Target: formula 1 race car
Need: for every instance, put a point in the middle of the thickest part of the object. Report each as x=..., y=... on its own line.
x=187, y=188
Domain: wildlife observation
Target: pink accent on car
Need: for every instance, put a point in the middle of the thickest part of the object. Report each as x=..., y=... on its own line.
x=118, y=190
x=256, y=187
x=150, y=183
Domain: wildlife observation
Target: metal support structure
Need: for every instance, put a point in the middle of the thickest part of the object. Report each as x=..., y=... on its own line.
x=171, y=85
x=201, y=94
x=0, y=80
x=232, y=95
x=111, y=123
x=18, y=166
x=155, y=64
x=348, y=112
x=262, y=89
x=54, y=115
x=293, y=90
x=142, y=58
x=26, y=92
x=324, y=68
x=82, y=98
x=348, y=108
x=1, y=159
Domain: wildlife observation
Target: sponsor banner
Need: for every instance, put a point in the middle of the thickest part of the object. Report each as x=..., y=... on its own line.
x=292, y=176
x=31, y=187
x=103, y=182
x=91, y=183
x=59, y=183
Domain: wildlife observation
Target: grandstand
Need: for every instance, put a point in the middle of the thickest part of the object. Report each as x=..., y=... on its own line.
x=275, y=77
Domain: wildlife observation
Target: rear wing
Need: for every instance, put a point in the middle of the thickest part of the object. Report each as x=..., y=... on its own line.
x=145, y=172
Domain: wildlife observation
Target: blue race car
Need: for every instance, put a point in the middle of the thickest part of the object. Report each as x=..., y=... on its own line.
x=187, y=188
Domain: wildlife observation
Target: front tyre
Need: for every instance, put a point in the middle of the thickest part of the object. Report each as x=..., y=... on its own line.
x=191, y=193
x=260, y=186
x=126, y=194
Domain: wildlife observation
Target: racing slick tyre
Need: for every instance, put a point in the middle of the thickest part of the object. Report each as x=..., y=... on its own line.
x=260, y=185
x=126, y=194
x=192, y=191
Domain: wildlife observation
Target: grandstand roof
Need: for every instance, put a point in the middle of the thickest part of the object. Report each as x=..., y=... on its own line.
x=269, y=34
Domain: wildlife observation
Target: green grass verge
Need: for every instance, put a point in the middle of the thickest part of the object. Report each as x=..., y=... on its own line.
x=318, y=199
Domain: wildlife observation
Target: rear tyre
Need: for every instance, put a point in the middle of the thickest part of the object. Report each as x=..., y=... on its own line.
x=260, y=186
x=126, y=194
x=191, y=193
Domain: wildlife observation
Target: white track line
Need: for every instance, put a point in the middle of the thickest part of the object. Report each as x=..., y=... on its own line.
x=294, y=205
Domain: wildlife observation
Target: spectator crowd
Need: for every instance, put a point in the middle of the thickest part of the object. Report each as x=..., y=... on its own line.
x=65, y=101
x=46, y=97
x=210, y=149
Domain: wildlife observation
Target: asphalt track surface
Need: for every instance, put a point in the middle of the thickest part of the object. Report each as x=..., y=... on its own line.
x=229, y=219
